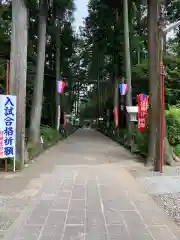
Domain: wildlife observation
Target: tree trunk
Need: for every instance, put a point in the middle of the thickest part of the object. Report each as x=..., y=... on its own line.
x=138, y=17
x=158, y=106
x=153, y=78
x=164, y=44
x=127, y=67
x=98, y=89
x=34, y=131
x=116, y=98
x=58, y=98
x=18, y=69
x=78, y=95
x=116, y=77
x=127, y=54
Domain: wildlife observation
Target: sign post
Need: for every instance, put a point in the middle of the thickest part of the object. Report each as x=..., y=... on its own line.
x=8, y=128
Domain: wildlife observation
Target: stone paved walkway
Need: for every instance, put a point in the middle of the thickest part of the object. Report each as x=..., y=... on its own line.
x=89, y=195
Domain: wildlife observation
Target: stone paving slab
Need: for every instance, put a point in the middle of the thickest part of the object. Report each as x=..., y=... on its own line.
x=92, y=211
x=161, y=184
x=91, y=202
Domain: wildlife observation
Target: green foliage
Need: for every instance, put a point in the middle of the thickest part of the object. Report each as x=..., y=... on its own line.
x=49, y=135
x=177, y=150
x=173, y=125
x=2, y=75
x=140, y=139
x=107, y=37
x=140, y=143
x=140, y=78
x=97, y=53
x=11, y=164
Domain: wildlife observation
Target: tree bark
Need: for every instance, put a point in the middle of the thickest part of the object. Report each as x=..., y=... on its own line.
x=116, y=79
x=138, y=17
x=98, y=89
x=153, y=78
x=34, y=131
x=127, y=54
x=128, y=68
x=18, y=69
x=78, y=96
x=58, y=97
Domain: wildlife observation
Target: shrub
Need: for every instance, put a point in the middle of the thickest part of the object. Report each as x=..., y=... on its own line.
x=140, y=142
x=173, y=125
x=49, y=135
x=177, y=150
x=11, y=164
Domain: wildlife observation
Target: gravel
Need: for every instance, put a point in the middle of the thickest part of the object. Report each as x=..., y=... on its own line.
x=171, y=205
x=10, y=209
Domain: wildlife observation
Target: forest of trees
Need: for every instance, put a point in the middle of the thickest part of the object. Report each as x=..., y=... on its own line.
x=40, y=45
x=105, y=36
x=38, y=41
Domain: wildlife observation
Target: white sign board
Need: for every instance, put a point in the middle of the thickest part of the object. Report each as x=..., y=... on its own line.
x=8, y=126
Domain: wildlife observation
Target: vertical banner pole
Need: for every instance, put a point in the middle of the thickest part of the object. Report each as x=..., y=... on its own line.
x=14, y=164
x=7, y=78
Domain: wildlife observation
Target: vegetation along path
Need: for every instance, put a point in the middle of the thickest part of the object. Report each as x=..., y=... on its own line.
x=90, y=195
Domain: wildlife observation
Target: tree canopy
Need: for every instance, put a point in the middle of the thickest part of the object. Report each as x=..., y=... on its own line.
x=91, y=62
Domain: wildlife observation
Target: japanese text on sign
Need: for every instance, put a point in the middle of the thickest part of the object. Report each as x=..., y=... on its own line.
x=7, y=126
x=142, y=111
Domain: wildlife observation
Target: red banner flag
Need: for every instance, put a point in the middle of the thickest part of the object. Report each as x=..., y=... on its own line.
x=142, y=111
x=65, y=120
x=116, y=117
x=1, y=143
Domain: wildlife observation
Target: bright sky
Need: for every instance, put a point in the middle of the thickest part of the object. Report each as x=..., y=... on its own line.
x=81, y=12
